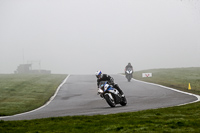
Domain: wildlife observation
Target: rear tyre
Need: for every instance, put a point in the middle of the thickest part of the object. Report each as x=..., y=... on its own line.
x=124, y=101
x=109, y=101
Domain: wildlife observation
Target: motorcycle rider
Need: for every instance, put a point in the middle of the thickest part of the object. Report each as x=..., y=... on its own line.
x=105, y=77
x=129, y=66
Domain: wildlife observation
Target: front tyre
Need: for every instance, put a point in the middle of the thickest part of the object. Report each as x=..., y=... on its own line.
x=129, y=78
x=109, y=101
x=124, y=101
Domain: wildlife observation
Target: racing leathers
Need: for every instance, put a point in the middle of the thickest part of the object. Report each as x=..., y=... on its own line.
x=106, y=77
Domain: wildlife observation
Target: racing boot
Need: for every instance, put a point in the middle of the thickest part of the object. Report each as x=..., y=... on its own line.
x=120, y=91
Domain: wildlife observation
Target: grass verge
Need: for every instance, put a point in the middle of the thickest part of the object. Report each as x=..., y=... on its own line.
x=19, y=92
x=172, y=119
x=178, y=78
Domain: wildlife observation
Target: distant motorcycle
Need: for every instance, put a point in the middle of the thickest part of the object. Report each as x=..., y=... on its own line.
x=110, y=94
x=129, y=74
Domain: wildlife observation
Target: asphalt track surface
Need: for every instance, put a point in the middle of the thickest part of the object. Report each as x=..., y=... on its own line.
x=78, y=96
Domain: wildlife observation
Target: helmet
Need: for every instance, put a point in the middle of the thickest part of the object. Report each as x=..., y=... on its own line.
x=98, y=74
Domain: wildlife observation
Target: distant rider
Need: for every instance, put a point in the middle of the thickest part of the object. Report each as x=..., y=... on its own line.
x=129, y=66
x=106, y=77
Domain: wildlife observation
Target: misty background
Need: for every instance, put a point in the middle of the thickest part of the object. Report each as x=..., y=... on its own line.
x=83, y=36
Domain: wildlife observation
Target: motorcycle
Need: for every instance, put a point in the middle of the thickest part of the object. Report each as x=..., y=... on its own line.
x=110, y=94
x=129, y=74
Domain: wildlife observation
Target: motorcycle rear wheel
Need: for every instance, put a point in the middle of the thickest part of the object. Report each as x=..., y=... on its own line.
x=124, y=101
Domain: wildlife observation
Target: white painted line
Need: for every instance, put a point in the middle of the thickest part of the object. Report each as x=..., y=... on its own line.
x=44, y=104
x=197, y=96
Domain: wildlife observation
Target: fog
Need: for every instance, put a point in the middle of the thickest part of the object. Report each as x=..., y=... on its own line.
x=83, y=36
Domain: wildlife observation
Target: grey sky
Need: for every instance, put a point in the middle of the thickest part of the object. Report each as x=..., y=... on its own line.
x=83, y=36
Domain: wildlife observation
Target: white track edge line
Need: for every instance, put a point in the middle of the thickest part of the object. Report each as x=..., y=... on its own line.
x=197, y=96
x=44, y=104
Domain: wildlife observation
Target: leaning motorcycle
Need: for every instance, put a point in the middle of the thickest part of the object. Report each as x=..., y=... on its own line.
x=110, y=94
x=129, y=74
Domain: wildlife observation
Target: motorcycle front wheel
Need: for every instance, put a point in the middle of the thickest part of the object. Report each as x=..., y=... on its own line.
x=129, y=78
x=109, y=101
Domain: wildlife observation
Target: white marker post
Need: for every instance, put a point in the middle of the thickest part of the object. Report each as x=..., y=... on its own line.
x=146, y=75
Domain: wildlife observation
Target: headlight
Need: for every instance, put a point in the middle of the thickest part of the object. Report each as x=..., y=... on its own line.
x=129, y=72
x=100, y=90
